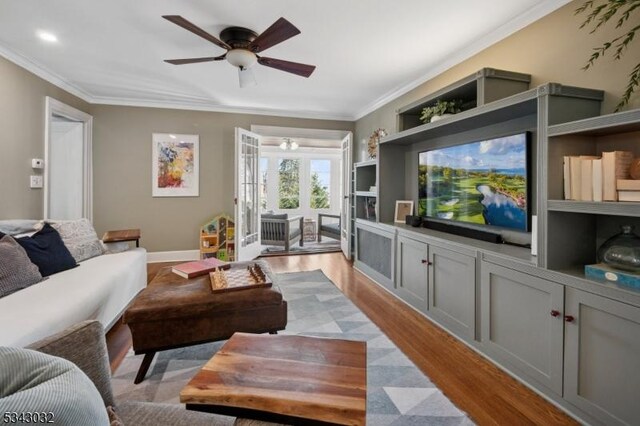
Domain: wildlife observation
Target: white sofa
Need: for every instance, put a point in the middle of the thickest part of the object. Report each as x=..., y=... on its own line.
x=99, y=288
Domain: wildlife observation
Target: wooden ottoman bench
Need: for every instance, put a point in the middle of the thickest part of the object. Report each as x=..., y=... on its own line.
x=174, y=312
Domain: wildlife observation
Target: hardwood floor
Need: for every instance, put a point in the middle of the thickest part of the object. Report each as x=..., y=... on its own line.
x=487, y=394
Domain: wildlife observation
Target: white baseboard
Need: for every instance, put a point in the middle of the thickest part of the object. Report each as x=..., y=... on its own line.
x=172, y=256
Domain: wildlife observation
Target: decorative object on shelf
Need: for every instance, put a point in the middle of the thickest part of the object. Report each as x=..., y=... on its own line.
x=370, y=208
x=414, y=221
x=440, y=110
x=373, y=188
x=599, y=14
x=404, y=208
x=364, y=150
x=602, y=271
x=634, y=169
x=175, y=165
x=374, y=140
x=217, y=238
x=289, y=145
x=622, y=251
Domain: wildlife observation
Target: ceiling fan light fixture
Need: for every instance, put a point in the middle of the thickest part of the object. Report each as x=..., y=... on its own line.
x=247, y=78
x=241, y=58
x=289, y=145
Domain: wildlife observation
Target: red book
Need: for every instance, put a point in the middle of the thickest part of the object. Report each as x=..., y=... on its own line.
x=199, y=267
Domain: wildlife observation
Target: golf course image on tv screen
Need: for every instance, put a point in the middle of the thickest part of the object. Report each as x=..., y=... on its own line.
x=482, y=182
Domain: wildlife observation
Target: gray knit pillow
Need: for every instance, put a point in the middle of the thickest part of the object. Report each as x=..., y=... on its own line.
x=79, y=237
x=54, y=388
x=16, y=270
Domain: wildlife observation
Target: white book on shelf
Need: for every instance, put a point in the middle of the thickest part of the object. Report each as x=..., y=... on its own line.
x=596, y=174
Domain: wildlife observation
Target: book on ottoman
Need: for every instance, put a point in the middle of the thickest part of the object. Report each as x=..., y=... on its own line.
x=199, y=267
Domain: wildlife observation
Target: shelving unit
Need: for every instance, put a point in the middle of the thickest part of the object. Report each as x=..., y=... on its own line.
x=577, y=228
x=535, y=316
x=217, y=238
x=365, y=177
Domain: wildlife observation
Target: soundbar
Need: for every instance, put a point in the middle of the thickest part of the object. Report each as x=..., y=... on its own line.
x=476, y=234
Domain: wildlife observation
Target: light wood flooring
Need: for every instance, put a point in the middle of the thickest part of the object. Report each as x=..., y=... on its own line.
x=487, y=394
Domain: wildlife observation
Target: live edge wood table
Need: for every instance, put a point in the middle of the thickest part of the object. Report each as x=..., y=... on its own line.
x=285, y=379
x=122, y=235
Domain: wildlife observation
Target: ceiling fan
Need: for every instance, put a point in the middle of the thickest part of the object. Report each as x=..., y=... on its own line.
x=242, y=46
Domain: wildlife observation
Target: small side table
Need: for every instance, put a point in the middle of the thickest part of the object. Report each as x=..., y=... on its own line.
x=122, y=235
x=309, y=230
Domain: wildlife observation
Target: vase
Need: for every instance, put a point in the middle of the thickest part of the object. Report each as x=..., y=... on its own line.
x=439, y=117
x=622, y=251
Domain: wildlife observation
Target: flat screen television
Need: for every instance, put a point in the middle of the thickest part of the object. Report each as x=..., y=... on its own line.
x=484, y=182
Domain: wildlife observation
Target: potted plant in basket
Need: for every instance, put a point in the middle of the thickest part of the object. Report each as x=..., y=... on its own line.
x=440, y=110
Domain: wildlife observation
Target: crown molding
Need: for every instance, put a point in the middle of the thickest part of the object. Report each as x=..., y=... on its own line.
x=198, y=106
x=44, y=73
x=502, y=32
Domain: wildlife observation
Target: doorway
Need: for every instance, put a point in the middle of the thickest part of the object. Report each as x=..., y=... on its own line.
x=305, y=178
x=68, y=165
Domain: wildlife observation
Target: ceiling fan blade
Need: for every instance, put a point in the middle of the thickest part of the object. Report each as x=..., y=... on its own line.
x=292, y=67
x=278, y=32
x=195, y=60
x=181, y=22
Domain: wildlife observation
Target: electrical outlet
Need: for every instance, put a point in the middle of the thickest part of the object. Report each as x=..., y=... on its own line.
x=36, y=181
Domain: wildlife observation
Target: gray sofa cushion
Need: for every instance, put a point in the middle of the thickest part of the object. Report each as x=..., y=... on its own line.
x=16, y=269
x=31, y=381
x=18, y=226
x=334, y=228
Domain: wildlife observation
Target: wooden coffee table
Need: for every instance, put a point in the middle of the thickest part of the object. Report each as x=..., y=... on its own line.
x=287, y=379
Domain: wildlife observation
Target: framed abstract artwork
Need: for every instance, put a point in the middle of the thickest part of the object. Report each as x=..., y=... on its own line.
x=175, y=165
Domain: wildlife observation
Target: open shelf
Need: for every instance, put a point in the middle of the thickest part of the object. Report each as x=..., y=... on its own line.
x=603, y=208
x=512, y=107
x=366, y=194
x=484, y=86
x=622, y=122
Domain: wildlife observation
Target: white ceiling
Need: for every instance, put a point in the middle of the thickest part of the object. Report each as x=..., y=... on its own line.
x=366, y=51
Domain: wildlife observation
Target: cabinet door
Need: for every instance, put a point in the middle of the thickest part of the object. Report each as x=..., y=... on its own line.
x=411, y=279
x=522, y=324
x=452, y=290
x=375, y=254
x=602, y=357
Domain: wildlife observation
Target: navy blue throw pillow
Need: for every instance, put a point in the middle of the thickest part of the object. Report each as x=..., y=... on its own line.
x=47, y=251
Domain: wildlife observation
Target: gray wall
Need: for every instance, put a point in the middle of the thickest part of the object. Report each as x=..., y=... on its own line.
x=552, y=49
x=122, y=170
x=22, y=96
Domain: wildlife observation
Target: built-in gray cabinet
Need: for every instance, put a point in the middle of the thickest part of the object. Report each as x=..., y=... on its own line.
x=522, y=323
x=452, y=290
x=602, y=357
x=412, y=259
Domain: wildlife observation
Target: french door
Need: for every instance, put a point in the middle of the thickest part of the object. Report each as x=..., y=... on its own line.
x=247, y=195
x=345, y=207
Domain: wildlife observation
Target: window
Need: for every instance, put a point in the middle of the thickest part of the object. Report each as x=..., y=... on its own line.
x=289, y=183
x=264, y=166
x=320, y=184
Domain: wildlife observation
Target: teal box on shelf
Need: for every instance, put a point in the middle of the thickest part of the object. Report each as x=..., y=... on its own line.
x=603, y=272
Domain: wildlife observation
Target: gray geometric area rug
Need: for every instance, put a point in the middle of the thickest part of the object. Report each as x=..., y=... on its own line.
x=397, y=391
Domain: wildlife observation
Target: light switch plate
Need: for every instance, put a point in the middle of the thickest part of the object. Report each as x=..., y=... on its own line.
x=36, y=181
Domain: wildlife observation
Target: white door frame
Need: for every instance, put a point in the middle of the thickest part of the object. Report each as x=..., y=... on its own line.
x=55, y=107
